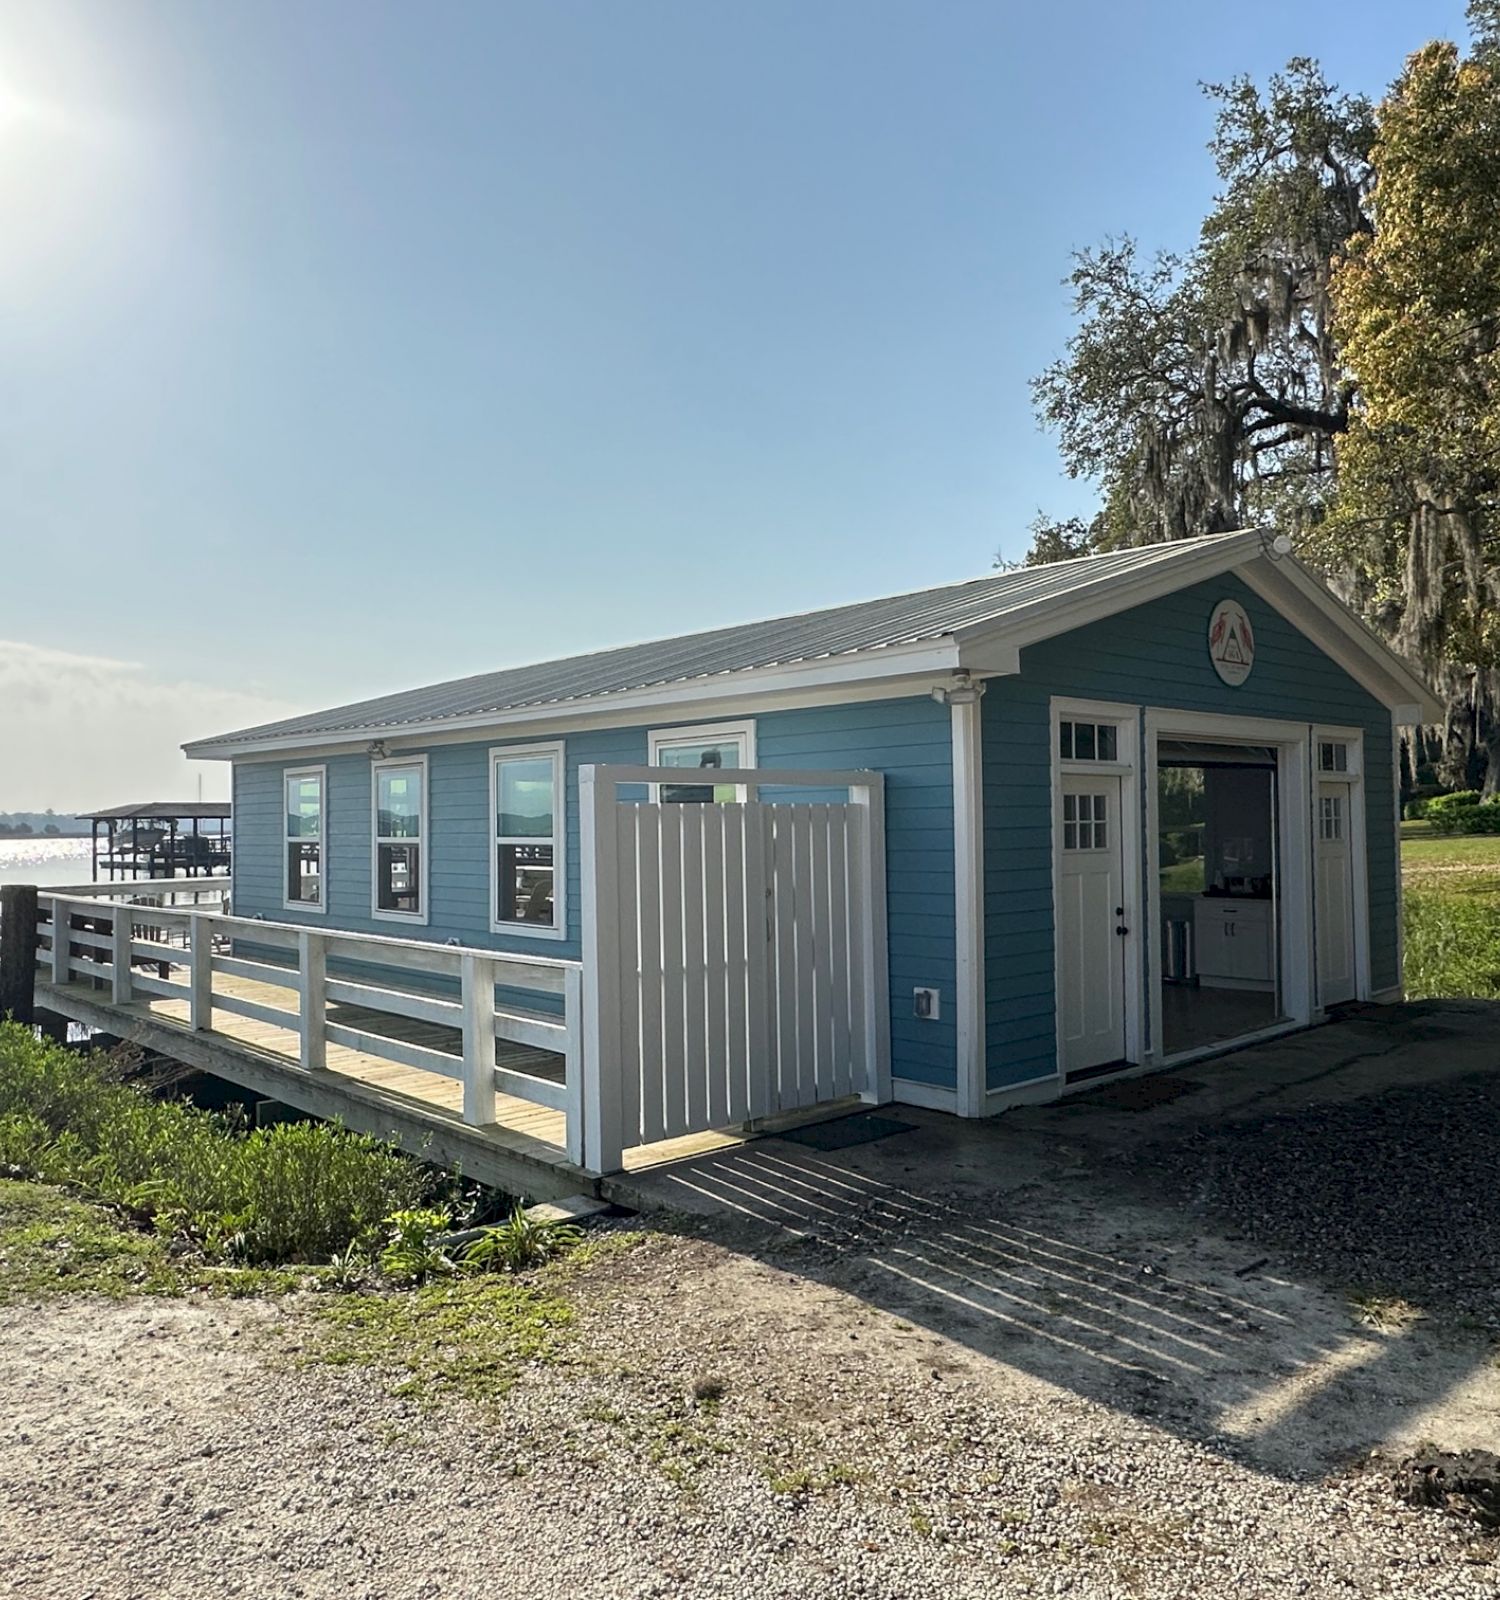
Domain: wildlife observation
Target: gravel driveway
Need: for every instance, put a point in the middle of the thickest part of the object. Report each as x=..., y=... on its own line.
x=181, y=1449
x=1087, y=1350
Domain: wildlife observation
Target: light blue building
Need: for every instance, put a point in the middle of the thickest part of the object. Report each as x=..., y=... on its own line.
x=1015, y=834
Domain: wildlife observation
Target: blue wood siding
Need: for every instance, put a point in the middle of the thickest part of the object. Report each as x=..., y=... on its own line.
x=907, y=739
x=1155, y=655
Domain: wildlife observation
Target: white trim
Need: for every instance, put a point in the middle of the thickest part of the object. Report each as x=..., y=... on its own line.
x=1293, y=926
x=423, y=841
x=1359, y=850
x=319, y=907
x=1392, y=996
x=659, y=739
x=988, y=648
x=1029, y=1092
x=930, y=1096
x=1127, y=767
x=557, y=750
x=826, y=681
x=1303, y=600
x=968, y=885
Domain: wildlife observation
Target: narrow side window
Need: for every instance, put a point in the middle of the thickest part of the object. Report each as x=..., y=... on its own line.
x=303, y=792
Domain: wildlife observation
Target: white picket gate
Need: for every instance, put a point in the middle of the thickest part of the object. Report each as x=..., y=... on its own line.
x=737, y=952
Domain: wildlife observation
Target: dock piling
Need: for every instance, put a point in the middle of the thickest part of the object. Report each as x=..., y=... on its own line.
x=18, y=952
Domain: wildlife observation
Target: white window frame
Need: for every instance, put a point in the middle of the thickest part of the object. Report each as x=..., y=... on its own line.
x=659, y=739
x=422, y=840
x=556, y=749
x=320, y=907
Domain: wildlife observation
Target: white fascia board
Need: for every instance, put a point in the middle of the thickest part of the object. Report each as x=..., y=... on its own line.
x=873, y=673
x=1102, y=597
x=1287, y=586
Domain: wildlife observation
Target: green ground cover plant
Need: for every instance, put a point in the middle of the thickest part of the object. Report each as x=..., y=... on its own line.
x=294, y=1192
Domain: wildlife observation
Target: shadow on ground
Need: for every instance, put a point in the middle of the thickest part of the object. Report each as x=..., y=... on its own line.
x=1290, y=1255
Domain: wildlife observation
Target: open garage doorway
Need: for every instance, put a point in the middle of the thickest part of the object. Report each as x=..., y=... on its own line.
x=1218, y=891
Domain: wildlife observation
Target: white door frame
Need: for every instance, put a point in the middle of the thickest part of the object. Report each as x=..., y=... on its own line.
x=1126, y=767
x=1359, y=862
x=1294, y=866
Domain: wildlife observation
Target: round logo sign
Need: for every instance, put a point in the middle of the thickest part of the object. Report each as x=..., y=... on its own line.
x=1231, y=643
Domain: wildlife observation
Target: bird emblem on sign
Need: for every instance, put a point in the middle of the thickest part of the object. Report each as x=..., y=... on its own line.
x=1231, y=642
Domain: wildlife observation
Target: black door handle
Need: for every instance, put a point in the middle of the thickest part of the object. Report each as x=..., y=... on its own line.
x=1121, y=929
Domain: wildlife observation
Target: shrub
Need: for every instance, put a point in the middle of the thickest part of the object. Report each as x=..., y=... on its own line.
x=415, y=1250
x=296, y=1192
x=519, y=1242
x=1456, y=812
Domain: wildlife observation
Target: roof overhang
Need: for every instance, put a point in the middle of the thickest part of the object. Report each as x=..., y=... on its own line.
x=892, y=668
x=987, y=649
x=1280, y=580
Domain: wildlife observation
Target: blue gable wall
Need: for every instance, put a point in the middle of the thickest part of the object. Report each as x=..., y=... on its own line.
x=909, y=740
x=1155, y=655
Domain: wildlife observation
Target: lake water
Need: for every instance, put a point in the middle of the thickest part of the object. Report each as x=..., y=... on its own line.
x=48, y=863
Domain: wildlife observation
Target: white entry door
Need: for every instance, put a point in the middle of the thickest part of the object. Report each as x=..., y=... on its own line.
x=1091, y=923
x=1334, y=907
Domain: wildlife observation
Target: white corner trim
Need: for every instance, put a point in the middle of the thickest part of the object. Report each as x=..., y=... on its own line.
x=968, y=884
x=421, y=917
x=1029, y=1092
x=931, y=1096
x=556, y=749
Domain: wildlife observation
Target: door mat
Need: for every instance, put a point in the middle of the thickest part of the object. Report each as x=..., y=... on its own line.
x=1139, y=1094
x=842, y=1132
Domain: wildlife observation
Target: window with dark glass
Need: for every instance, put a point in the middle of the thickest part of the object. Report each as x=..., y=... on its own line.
x=400, y=826
x=1088, y=741
x=304, y=839
x=526, y=821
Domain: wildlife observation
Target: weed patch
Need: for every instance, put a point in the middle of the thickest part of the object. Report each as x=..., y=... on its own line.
x=452, y=1338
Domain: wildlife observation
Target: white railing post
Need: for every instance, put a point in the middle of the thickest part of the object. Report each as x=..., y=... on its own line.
x=477, y=977
x=602, y=1091
x=201, y=973
x=62, y=923
x=870, y=798
x=573, y=1140
x=120, y=954
x=312, y=979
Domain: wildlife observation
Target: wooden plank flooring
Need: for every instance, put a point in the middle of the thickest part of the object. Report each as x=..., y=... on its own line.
x=520, y=1126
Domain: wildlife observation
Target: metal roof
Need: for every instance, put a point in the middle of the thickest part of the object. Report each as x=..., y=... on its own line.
x=868, y=626
x=160, y=811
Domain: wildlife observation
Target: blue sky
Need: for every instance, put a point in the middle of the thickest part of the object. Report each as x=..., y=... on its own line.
x=346, y=346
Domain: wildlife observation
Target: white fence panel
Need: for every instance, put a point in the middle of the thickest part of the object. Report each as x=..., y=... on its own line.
x=741, y=943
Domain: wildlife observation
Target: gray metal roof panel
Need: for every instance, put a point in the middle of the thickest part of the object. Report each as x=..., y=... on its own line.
x=867, y=625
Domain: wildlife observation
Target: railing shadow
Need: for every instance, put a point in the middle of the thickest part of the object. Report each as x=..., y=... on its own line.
x=1096, y=1279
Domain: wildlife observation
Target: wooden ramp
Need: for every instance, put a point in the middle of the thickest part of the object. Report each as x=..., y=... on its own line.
x=521, y=1152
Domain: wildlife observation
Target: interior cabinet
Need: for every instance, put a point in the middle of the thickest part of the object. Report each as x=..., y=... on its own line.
x=1233, y=944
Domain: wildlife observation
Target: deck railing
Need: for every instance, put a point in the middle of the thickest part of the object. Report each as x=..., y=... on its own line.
x=125, y=938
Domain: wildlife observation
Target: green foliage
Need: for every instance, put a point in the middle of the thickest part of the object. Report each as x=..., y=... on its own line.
x=1452, y=912
x=296, y=1192
x=521, y=1241
x=414, y=1251
x=51, y=1243
x=464, y=1338
x=1462, y=812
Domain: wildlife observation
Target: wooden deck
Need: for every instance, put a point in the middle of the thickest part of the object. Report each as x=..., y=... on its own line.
x=520, y=1152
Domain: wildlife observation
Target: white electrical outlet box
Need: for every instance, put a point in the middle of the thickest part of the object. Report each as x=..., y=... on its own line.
x=925, y=1004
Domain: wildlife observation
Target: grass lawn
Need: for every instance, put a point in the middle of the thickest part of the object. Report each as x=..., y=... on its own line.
x=1452, y=915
